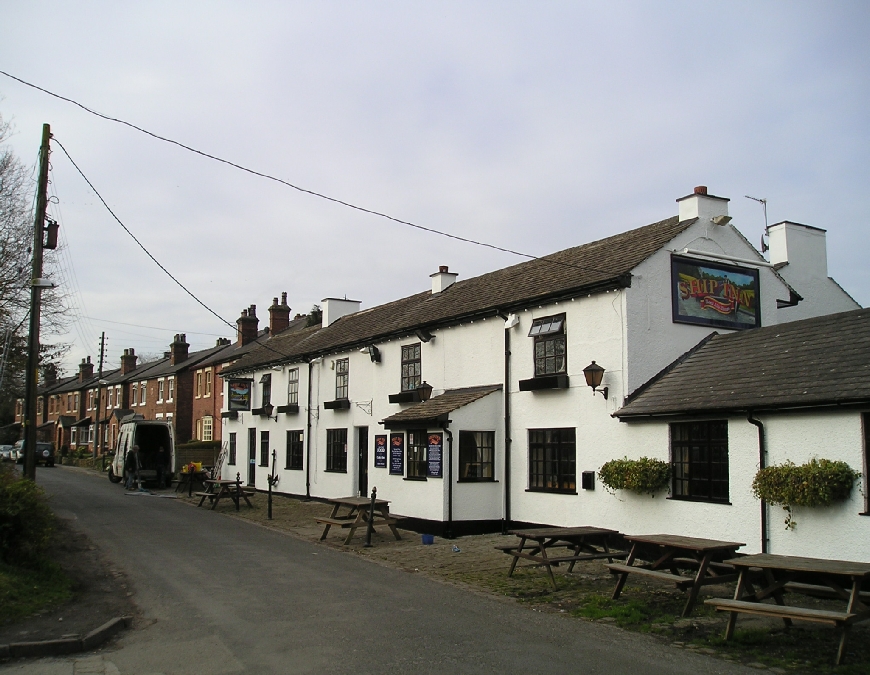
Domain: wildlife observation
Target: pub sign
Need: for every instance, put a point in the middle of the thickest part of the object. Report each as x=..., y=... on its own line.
x=714, y=294
x=240, y=394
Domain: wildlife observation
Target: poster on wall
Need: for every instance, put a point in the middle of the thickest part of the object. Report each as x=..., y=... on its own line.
x=397, y=454
x=714, y=294
x=381, y=452
x=434, y=468
x=240, y=394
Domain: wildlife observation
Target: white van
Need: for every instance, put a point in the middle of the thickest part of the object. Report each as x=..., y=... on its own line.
x=149, y=435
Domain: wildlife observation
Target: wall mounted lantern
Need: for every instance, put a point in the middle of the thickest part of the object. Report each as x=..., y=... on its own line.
x=594, y=374
x=374, y=354
x=424, y=335
x=424, y=391
x=268, y=409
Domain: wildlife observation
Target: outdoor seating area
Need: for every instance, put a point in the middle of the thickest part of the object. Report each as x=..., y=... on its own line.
x=359, y=512
x=215, y=490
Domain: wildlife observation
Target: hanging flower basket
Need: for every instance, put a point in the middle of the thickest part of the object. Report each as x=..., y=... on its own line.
x=819, y=482
x=643, y=476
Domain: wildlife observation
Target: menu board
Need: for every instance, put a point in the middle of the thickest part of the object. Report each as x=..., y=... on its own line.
x=434, y=467
x=397, y=454
x=381, y=452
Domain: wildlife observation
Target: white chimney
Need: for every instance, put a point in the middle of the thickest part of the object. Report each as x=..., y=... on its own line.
x=701, y=205
x=442, y=279
x=335, y=308
x=802, y=247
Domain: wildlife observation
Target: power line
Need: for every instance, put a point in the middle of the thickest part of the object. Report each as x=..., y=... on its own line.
x=296, y=187
x=137, y=325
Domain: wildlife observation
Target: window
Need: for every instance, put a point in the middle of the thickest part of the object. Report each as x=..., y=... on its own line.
x=68, y=403
x=76, y=402
x=264, y=448
x=476, y=453
x=266, y=389
x=207, y=392
x=171, y=395
x=418, y=451
x=118, y=396
x=134, y=392
x=110, y=397
x=207, y=428
x=90, y=433
x=699, y=457
x=552, y=460
x=73, y=436
x=294, y=450
x=411, y=368
x=231, y=459
x=293, y=386
x=336, y=450
x=341, y=374
x=550, y=352
x=142, y=389
x=90, y=400
x=198, y=384
x=198, y=433
x=160, y=383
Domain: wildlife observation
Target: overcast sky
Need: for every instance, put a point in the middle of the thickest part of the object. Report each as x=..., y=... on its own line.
x=535, y=126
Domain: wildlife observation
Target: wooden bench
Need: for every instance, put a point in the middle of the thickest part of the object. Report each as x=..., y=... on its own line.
x=680, y=581
x=357, y=517
x=782, y=611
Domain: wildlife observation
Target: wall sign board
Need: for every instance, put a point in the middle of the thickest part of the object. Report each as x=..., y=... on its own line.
x=714, y=294
x=240, y=394
x=434, y=467
x=397, y=454
x=381, y=451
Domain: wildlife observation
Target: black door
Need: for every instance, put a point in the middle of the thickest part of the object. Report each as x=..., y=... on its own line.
x=364, y=461
x=252, y=456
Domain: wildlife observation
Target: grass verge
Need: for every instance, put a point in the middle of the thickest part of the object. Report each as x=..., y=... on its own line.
x=25, y=592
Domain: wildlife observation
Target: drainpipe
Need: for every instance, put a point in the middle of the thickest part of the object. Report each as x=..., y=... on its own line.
x=308, y=437
x=506, y=522
x=762, y=462
x=448, y=532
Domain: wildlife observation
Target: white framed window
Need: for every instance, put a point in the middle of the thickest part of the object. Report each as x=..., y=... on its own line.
x=293, y=386
x=207, y=428
x=198, y=434
x=158, y=416
x=207, y=384
x=169, y=417
x=118, y=396
x=160, y=383
x=170, y=383
x=198, y=386
x=110, y=395
x=142, y=390
x=73, y=436
x=90, y=433
x=134, y=393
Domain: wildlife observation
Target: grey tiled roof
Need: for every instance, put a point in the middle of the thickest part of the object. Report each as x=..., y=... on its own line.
x=438, y=407
x=815, y=362
x=598, y=265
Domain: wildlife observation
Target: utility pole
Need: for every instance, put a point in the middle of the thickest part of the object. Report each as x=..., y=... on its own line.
x=98, y=407
x=37, y=283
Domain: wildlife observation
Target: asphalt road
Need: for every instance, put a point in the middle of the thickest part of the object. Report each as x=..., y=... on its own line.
x=219, y=595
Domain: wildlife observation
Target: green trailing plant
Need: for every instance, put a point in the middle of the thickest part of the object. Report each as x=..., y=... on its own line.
x=819, y=482
x=26, y=521
x=643, y=476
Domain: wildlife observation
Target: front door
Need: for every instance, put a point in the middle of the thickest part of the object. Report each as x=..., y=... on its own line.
x=252, y=457
x=363, y=438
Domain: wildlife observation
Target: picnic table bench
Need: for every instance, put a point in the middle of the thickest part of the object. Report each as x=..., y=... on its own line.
x=582, y=542
x=776, y=575
x=357, y=516
x=704, y=557
x=217, y=489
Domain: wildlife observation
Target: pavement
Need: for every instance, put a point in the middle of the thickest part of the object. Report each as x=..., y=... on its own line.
x=219, y=595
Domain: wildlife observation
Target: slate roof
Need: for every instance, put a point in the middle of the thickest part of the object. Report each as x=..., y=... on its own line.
x=437, y=409
x=593, y=267
x=816, y=362
x=233, y=352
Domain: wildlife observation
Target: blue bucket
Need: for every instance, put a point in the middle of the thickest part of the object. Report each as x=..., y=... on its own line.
x=428, y=539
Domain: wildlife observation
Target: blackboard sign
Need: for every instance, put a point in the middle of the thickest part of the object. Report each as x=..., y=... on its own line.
x=397, y=454
x=380, y=452
x=434, y=467
x=240, y=394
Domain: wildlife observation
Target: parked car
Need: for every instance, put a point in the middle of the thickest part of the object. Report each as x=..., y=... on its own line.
x=44, y=453
x=6, y=453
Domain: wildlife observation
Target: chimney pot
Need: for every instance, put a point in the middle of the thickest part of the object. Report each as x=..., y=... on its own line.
x=442, y=279
x=443, y=268
x=701, y=190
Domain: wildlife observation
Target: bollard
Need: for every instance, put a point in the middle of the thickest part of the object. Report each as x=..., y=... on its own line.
x=371, y=523
x=238, y=490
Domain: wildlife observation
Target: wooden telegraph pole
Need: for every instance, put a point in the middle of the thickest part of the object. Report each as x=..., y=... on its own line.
x=36, y=285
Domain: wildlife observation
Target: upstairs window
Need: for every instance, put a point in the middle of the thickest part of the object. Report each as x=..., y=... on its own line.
x=342, y=366
x=699, y=458
x=551, y=355
x=208, y=374
x=265, y=389
x=142, y=389
x=171, y=395
x=293, y=386
x=411, y=367
x=134, y=393
x=160, y=384
x=198, y=385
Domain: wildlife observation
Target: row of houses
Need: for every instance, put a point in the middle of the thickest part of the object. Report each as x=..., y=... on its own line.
x=85, y=409
x=495, y=400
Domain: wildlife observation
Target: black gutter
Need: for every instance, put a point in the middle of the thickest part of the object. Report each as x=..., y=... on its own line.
x=308, y=439
x=762, y=462
x=448, y=532
x=506, y=522
x=773, y=408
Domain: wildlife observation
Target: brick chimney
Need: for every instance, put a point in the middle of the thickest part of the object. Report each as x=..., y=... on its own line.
x=49, y=375
x=279, y=315
x=222, y=342
x=178, y=349
x=86, y=370
x=247, y=326
x=128, y=361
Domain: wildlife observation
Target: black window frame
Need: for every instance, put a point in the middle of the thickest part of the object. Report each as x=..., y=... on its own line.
x=336, y=450
x=417, y=454
x=264, y=448
x=412, y=366
x=865, y=426
x=549, y=345
x=553, y=460
x=293, y=386
x=476, y=449
x=295, y=450
x=698, y=472
x=342, y=377
x=231, y=453
x=265, y=390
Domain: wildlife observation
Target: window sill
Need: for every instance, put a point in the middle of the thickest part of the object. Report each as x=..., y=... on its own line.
x=292, y=468
x=289, y=409
x=559, y=381
x=412, y=396
x=702, y=500
x=417, y=478
x=335, y=470
x=552, y=492
x=230, y=414
x=337, y=404
x=479, y=480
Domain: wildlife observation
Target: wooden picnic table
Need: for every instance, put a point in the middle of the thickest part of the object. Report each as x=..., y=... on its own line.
x=357, y=515
x=217, y=489
x=775, y=575
x=703, y=557
x=186, y=479
x=582, y=542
